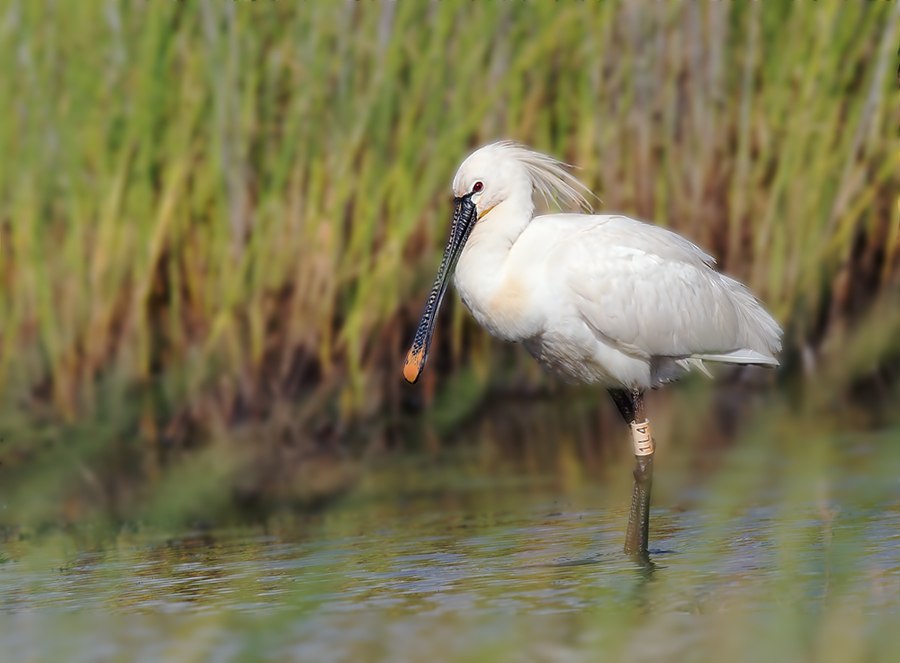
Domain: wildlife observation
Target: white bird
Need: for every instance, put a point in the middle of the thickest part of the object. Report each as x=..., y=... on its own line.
x=594, y=298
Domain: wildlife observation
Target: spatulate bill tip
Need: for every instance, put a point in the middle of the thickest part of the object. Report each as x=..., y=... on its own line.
x=412, y=368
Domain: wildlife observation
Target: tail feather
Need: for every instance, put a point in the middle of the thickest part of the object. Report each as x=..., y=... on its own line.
x=693, y=362
x=669, y=369
x=761, y=334
x=743, y=356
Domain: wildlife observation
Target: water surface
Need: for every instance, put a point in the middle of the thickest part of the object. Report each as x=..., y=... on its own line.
x=439, y=558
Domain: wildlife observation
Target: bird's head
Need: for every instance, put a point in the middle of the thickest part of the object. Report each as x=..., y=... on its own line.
x=494, y=173
x=489, y=177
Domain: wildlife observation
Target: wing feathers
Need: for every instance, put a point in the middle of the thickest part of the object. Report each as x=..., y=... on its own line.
x=647, y=289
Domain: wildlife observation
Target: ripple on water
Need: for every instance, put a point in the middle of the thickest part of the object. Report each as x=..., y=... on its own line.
x=335, y=586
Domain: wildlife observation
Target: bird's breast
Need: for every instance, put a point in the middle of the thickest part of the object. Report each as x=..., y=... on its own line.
x=501, y=300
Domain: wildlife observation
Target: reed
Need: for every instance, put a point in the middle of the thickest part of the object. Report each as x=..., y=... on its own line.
x=227, y=206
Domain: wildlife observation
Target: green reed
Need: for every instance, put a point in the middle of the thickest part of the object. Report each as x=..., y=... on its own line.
x=227, y=206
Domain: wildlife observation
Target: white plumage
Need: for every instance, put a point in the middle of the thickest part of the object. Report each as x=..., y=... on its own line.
x=595, y=298
x=598, y=299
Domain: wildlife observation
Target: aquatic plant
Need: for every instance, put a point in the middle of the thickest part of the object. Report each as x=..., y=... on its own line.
x=223, y=210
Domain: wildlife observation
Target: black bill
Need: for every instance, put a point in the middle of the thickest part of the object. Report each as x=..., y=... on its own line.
x=464, y=218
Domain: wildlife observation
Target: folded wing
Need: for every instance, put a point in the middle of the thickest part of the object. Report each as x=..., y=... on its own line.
x=654, y=294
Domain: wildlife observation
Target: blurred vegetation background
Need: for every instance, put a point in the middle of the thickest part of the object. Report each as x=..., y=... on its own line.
x=219, y=221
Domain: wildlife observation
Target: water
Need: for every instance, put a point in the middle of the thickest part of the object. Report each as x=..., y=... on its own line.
x=763, y=556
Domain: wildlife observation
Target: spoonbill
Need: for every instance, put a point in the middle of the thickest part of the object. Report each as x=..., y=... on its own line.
x=599, y=299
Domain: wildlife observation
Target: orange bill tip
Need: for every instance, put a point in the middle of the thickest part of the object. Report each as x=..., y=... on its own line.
x=415, y=362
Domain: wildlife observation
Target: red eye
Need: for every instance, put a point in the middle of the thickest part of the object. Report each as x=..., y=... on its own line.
x=478, y=186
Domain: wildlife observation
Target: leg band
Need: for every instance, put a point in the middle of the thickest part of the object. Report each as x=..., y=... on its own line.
x=640, y=435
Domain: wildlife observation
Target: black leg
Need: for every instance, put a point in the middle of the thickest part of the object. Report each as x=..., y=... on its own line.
x=638, y=534
x=631, y=405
